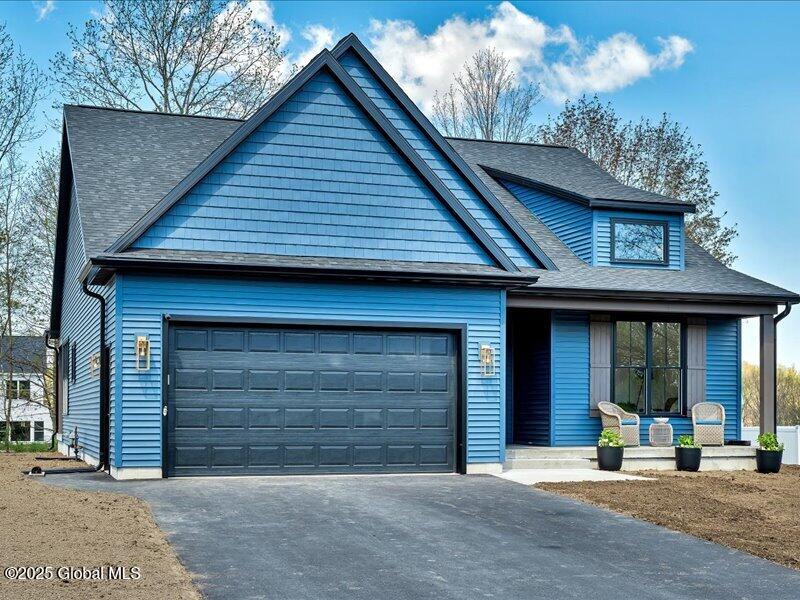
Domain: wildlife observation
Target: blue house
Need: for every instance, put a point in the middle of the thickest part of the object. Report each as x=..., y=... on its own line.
x=333, y=287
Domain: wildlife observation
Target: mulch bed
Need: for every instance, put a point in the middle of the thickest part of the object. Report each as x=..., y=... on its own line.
x=48, y=526
x=756, y=513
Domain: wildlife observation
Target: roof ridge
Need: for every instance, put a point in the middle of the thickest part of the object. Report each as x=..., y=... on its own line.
x=152, y=112
x=467, y=139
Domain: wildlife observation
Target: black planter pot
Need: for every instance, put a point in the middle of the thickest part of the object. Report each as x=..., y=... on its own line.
x=688, y=459
x=768, y=461
x=609, y=458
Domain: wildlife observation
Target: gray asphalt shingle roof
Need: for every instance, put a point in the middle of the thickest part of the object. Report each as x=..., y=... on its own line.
x=124, y=162
x=558, y=166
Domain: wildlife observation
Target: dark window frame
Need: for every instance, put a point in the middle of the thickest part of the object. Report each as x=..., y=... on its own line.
x=15, y=386
x=74, y=366
x=38, y=431
x=648, y=320
x=663, y=223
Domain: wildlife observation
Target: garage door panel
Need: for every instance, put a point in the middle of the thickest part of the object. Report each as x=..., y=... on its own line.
x=263, y=400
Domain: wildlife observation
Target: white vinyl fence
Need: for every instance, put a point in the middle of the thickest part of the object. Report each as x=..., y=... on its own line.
x=788, y=434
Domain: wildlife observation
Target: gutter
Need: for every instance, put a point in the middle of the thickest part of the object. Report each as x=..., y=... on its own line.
x=56, y=390
x=105, y=399
x=777, y=319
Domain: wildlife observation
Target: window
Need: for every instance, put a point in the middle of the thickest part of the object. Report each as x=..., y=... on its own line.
x=20, y=431
x=19, y=389
x=639, y=241
x=648, y=373
x=38, y=431
x=74, y=369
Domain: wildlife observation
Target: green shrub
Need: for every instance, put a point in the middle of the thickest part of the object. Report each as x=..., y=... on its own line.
x=687, y=441
x=609, y=437
x=769, y=441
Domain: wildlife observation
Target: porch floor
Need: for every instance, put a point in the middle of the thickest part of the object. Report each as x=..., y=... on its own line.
x=642, y=458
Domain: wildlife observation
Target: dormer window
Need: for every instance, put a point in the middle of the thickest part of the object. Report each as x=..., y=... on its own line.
x=639, y=241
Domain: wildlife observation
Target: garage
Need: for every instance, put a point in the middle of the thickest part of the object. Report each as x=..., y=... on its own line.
x=271, y=399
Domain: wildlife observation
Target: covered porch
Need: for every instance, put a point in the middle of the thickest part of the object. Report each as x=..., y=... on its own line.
x=656, y=359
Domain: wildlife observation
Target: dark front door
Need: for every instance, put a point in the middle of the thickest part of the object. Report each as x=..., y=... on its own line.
x=262, y=400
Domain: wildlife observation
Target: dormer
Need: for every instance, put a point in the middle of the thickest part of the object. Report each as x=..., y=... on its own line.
x=603, y=222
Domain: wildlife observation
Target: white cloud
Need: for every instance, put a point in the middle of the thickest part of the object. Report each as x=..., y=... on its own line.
x=318, y=37
x=43, y=8
x=423, y=64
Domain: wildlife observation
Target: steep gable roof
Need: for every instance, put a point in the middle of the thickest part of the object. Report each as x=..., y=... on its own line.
x=324, y=60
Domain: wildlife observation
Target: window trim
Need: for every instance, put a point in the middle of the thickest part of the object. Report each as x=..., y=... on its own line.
x=664, y=223
x=648, y=321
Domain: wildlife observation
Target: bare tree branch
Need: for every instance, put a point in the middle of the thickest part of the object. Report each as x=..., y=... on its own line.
x=486, y=101
x=183, y=56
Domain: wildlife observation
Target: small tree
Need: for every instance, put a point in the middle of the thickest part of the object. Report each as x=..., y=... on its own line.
x=788, y=399
x=657, y=156
x=181, y=56
x=486, y=101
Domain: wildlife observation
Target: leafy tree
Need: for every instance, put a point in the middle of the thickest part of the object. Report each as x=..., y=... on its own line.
x=486, y=101
x=206, y=57
x=658, y=156
x=788, y=395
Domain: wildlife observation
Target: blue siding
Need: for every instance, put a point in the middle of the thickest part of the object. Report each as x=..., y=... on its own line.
x=602, y=237
x=147, y=298
x=80, y=323
x=569, y=221
x=724, y=375
x=316, y=179
x=436, y=160
x=570, y=380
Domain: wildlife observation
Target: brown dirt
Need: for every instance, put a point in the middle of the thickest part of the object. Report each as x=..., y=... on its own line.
x=756, y=513
x=47, y=526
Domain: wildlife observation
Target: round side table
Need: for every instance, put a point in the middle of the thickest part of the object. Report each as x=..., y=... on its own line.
x=660, y=433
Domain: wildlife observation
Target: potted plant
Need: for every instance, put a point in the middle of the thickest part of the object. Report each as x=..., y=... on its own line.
x=769, y=453
x=687, y=454
x=610, y=448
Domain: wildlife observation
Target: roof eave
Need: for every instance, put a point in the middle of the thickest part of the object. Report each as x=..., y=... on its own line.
x=604, y=294
x=591, y=202
x=100, y=269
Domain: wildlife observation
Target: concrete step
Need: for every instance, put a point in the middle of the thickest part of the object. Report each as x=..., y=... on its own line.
x=549, y=463
x=517, y=452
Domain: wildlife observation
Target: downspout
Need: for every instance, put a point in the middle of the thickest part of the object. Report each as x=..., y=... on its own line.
x=105, y=400
x=777, y=319
x=56, y=390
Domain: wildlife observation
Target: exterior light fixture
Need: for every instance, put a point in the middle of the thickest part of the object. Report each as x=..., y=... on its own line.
x=142, y=353
x=94, y=365
x=487, y=360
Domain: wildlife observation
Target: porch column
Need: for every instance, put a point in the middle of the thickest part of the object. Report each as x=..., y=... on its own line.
x=767, y=388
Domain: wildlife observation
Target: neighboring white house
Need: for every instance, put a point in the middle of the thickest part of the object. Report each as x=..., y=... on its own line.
x=30, y=418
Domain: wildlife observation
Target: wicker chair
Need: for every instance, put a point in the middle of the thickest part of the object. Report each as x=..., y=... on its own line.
x=627, y=424
x=708, y=421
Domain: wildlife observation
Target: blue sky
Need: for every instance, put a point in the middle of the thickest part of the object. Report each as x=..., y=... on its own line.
x=726, y=71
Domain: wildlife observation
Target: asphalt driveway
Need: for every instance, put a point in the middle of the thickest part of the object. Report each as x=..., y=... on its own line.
x=430, y=536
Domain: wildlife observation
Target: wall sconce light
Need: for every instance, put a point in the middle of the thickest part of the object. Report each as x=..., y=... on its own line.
x=487, y=360
x=94, y=365
x=142, y=353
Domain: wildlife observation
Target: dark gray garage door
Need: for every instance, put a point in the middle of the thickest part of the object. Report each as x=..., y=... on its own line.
x=260, y=400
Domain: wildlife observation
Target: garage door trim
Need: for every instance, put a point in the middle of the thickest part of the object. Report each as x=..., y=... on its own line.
x=459, y=330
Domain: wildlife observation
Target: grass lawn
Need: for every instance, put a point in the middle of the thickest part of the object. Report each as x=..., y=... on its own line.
x=47, y=526
x=756, y=513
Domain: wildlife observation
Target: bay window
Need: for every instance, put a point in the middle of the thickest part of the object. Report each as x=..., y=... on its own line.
x=648, y=373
